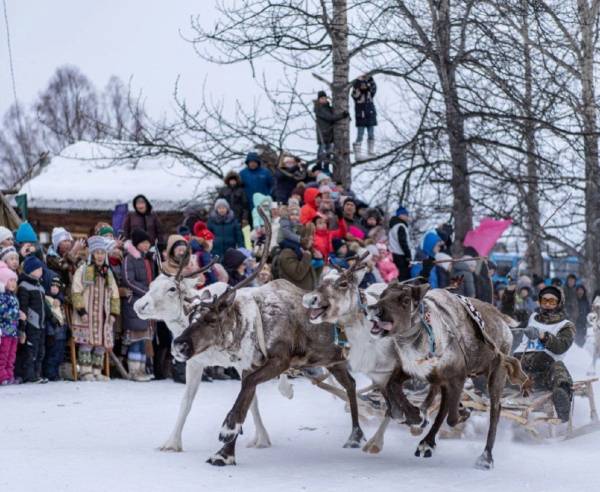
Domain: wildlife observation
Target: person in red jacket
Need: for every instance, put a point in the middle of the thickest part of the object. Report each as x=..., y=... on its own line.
x=312, y=199
x=323, y=236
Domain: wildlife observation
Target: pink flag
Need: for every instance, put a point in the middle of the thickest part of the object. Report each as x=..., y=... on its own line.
x=484, y=236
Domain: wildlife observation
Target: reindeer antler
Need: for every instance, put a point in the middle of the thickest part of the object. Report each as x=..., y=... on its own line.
x=195, y=273
x=261, y=264
x=158, y=257
x=359, y=265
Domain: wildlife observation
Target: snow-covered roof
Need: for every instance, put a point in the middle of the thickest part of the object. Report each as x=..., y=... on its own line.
x=86, y=176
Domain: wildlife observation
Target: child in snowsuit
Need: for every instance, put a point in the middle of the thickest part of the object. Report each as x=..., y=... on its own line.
x=56, y=329
x=31, y=329
x=9, y=324
x=548, y=336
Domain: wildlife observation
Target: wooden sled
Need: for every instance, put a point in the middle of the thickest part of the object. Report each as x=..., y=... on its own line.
x=535, y=413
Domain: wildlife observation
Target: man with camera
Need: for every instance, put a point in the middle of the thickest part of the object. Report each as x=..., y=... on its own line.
x=363, y=92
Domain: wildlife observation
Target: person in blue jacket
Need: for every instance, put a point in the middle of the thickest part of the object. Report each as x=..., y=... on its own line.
x=255, y=178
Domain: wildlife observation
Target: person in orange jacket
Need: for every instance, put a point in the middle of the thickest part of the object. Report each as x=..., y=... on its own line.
x=312, y=198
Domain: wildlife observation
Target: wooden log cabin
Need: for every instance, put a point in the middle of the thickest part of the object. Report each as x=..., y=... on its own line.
x=83, y=185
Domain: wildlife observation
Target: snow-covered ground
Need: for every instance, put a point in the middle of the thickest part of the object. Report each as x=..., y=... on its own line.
x=104, y=436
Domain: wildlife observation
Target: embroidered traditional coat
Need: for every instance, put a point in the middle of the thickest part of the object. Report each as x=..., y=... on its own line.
x=97, y=296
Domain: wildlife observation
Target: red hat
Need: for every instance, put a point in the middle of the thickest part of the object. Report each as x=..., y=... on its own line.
x=202, y=232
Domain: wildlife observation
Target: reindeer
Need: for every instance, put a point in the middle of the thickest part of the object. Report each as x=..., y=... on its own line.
x=339, y=301
x=268, y=331
x=166, y=300
x=444, y=338
x=593, y=341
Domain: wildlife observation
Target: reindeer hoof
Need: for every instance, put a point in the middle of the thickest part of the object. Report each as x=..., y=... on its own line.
x=484, y=462
x=356, y=439
x=372, y=447
x=228, y=434
x=220, y=460
x=259, y=442
x=171, y=448
x=424, y=450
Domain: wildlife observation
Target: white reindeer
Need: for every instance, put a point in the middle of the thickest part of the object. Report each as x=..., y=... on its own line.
x=165, y=300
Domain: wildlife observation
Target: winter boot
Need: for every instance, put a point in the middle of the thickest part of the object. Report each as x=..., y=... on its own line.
x=85, y=373
x=137, y=372
x=357, y=147
x=97, y=362
x=371, y=148
x=561, y=399
x=98, y=376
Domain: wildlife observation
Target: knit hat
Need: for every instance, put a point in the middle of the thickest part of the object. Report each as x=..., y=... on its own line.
x=337, y=243
x=325, y=189
x=202, y=232
x=183, y=230
x=97, y=243
x=357, y=232
x=139, y=236
x=6, y=274
x=60, y=234
x=221, y=202
x=401, y=211
x=253, y=156
x=321, y=94
x=105, y=231
x=5, y=252
x=5, y=234
x=25, y=234
x=323, y=176
x=232, y=259
x=32, y=263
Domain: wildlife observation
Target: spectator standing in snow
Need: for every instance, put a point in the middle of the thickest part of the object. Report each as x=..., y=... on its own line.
x=583, y=305
x=363, y=92
x=142, y=217
x=56, y=327
x=326, y=119
x=9, y=324
x=138, y=272
x=31, y=330
x=96, y=304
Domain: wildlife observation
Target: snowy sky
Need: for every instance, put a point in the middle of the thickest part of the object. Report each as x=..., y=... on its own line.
x=129, y=38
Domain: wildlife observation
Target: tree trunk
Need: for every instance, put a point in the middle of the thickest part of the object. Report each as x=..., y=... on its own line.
x=455, y=128
x=532, y=200
x=339, y=91
x=587, y=18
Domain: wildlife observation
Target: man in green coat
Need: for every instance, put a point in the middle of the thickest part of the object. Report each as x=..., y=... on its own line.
x=299, y=263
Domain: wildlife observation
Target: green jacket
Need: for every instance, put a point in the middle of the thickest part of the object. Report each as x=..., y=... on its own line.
x=299, y=272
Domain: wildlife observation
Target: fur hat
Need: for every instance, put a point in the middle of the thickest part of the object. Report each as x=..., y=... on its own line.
x=138, y=236
x=60, y=234
x=6, y=274
x=202, y=232
x=32, y=263
x=5, y=234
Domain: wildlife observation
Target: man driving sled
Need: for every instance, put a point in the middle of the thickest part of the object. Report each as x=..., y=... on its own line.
x=547, y=338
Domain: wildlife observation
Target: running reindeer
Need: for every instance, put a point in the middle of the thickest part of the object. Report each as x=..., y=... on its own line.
x=339, y=301
x=266, y=331
x=167, y=299
x=444, y=338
